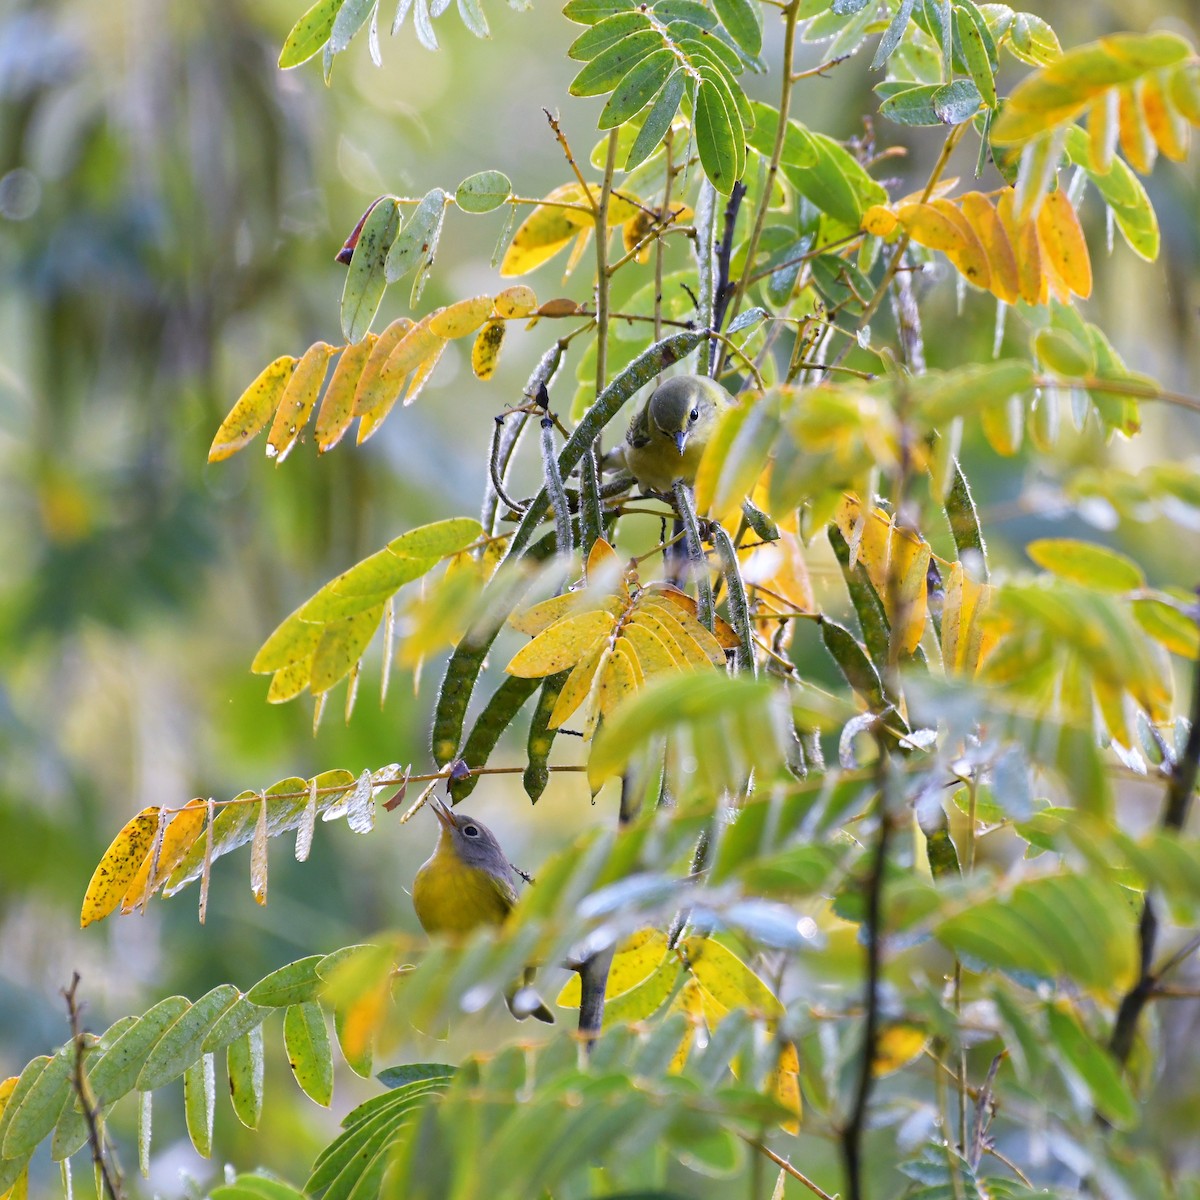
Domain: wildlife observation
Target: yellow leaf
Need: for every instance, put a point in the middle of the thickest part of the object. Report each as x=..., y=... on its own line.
x=288, y=682
x=966, y=637
x=620, y=678
x=337, y=408
x=880, y=221
x=298, y=400
x=727, y=979
x=691, y=628
x=897, y=1046
x=631, y=965
x=417, y=346
x=540, y=616
x=516, y=301
x=577, y=251
x=1136, y=143
x=649, y=648
x=780, y=574
x=462, y=317
x=180, y=835
x=119, y=866
x=544, y=232
x=372, y=384
x=929, y=226
x=1022, y=236
x=1166, y=125
x=1063, y=244
x=578, y=686
x=722, y=630
x=689, y=1003
x=1002, y=261
x=485, y=350
x=655, y=617
x=562, y=645
x=252, y=412
x=896, y=561
x=784, y=1087
x=603, y=564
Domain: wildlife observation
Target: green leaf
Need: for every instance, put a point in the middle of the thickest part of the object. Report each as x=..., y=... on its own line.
x=352, y=16
x=956, y=102
x=610, y=66
x=117, y=1070
x=296, y=983
x=744, y=22
x=309, y=33
x=635, y=91
x=893, y=35
x=309, y=1055
x=606, y=33
x=199, y=1102
x=1087, y=564
x=717, y=135
x=1062, y=925
x=256, y=1187
x=244, y=1066
x=36, y=1111
x=403, y=1075
x=658, y=120
x=910, y=105
x=235, y=1022
x=589, y=12
x=418, y=236
x=973, y=38
x=1095, y=1067
x=180, y=1045
x=1124, y=194
x=471, y=12
x=483, y=191
x=1164, y=621
x=799, y=149
x=365, y=280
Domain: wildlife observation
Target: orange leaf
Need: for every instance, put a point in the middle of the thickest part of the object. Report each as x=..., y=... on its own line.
x=1167, y=126
x=1136, y=142
x=117, y=869
x=1063, y=245
x=178, y=838
x=1024, y=241
x=1002, y=260
x=970, y=259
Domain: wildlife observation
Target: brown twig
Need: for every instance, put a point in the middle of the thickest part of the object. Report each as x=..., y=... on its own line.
x=110, y=1173
x=783, y=1164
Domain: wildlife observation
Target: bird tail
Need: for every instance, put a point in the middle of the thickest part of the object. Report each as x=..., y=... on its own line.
x=524, y=1002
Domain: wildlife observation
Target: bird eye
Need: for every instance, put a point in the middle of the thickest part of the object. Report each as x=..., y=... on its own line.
x=471, y=830
x=694, y=415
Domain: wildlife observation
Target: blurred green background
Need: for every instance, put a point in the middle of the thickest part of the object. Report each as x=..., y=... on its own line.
x=170, y=206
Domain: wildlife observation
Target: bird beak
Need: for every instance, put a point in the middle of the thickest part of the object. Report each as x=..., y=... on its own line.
x=680, y=438
x=444, y=814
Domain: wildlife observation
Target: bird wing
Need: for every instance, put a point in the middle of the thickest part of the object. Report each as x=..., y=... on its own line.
x=638, y=433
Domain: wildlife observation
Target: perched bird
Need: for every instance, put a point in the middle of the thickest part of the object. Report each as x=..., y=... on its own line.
x=467, y=882
x=667, y=435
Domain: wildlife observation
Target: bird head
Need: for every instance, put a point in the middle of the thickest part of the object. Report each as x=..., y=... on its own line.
x=470, y=841
x=675, y=408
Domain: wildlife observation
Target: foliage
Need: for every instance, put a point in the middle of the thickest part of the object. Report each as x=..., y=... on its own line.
x=948, y=935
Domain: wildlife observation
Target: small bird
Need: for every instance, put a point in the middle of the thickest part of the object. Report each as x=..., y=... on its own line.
x=667, y=435
x=467, y=882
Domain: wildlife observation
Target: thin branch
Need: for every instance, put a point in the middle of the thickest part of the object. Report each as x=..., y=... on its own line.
x=852, y=1132
x=1181, y=786
x=566, y=149
x=784, y=1165
x=110, y=1173
x=593, y=980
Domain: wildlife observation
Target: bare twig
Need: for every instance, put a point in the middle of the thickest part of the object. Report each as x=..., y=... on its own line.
x=784, y=1165
x=1181, y=786
x=852, y=1132
x=110, y=1173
